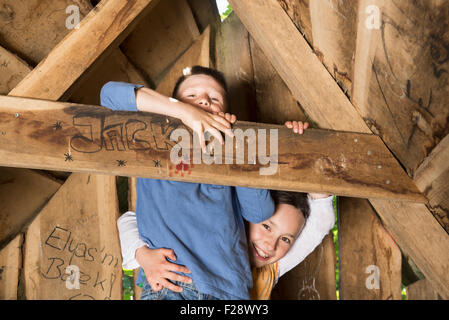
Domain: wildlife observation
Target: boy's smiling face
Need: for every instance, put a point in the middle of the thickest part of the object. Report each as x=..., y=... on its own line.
x=204, y=92
x=270, y=240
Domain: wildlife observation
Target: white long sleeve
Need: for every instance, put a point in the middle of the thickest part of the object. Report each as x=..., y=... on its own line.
x=321, y=220
x=129, y=239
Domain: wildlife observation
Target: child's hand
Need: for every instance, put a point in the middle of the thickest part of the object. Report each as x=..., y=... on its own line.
x=201, y=121
x=228, y=116
x=157, y=269
x=297, y=126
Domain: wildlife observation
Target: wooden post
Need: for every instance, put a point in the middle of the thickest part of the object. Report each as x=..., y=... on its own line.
x=10, y=266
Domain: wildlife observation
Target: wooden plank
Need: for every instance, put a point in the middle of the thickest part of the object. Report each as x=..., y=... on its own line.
x=313, y=279
x=12, y=70
x=15, y=186
x=421, y=290
x=299, y=13
x=370, y=261
x=298, y=66
x=32, y=28
x=431, y=178
x=420, y=236
x=334, y=32
x=275, y=103
x=79, y=138
x=205, y=13
x=77, y=227
x=233, y=58
x=432, y=267
x=111, y=21
x=132, y=199
x=197, y=54
x=10, y=266
x=116, y=67
x=161, y=37
x=401, y=79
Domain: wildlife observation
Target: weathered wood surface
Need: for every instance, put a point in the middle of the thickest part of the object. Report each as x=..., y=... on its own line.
x=433, y=268
x=421, y=290
x=309, y=82
x=197, y=54
x=370, y=261
x=12, y=70
x=77, y=227
x=313, y=279
x=419, y=236
x=160, y=38
x=334, y=32
x=115, y=67
x=205, y=13
x=68, y=137
x=432, y=178
x=32, y=28
x=401, y=76
x=111, y=21
x=233, y=58
x=22, y=194
x=299, y=12
x=10, y=266
x=275, y=103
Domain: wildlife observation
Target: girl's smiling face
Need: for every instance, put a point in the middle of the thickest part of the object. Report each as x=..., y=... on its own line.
x=270, y=240
x=204, y=92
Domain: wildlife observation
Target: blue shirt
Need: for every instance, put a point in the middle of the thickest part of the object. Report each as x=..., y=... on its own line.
x=202, y=223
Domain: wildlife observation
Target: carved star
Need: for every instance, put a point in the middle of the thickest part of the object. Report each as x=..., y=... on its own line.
x=121, y=163
x=157, y=163
x=57, y=125
x=68, y=157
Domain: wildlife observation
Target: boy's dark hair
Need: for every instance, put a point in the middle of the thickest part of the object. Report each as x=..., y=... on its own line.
x=297, y=199
x=217, y=75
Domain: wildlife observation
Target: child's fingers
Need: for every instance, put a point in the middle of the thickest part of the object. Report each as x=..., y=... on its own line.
x=233, y=118
x=214, y=132
x=221, y=120
x=306, y=125
x=178, y=268
x=289, y=124
x=177, y=277
x=167, y=284
x=155, y=286
x=169, y=253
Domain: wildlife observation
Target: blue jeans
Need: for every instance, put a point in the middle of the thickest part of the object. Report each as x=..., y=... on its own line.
x=189, y=292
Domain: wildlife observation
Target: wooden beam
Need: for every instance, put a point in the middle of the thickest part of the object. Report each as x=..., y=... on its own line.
x=105, y=26
x=285, y=44
x=10, y=266
x=12, y=70
x=431, y=178
x=15, y=186
x=370, y=261
x=161, y=37
x=77, y=227
x=298, y=66
x=421, y=290
x=205, y=13
x=69, y=137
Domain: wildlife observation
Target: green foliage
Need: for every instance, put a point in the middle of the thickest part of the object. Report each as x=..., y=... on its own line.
x=335, y=237
x=226, y=13
x=128, y=284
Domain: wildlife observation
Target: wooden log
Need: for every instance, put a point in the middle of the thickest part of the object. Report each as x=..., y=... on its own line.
x=77, y=228
x=433, y=271
x=205, y=13
x=313, y=279
x=370, y=261
x=275, y=103
x=15, y=186
x=32, y=28
x=334, y=32
x=233, y=58
x=298, y=66
x=12, y=70
x=79, y=138
x=401, y=79
x=111, y=20
x=421, y=290
x=10, y=266
x=431, y=178
x=161, y=37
